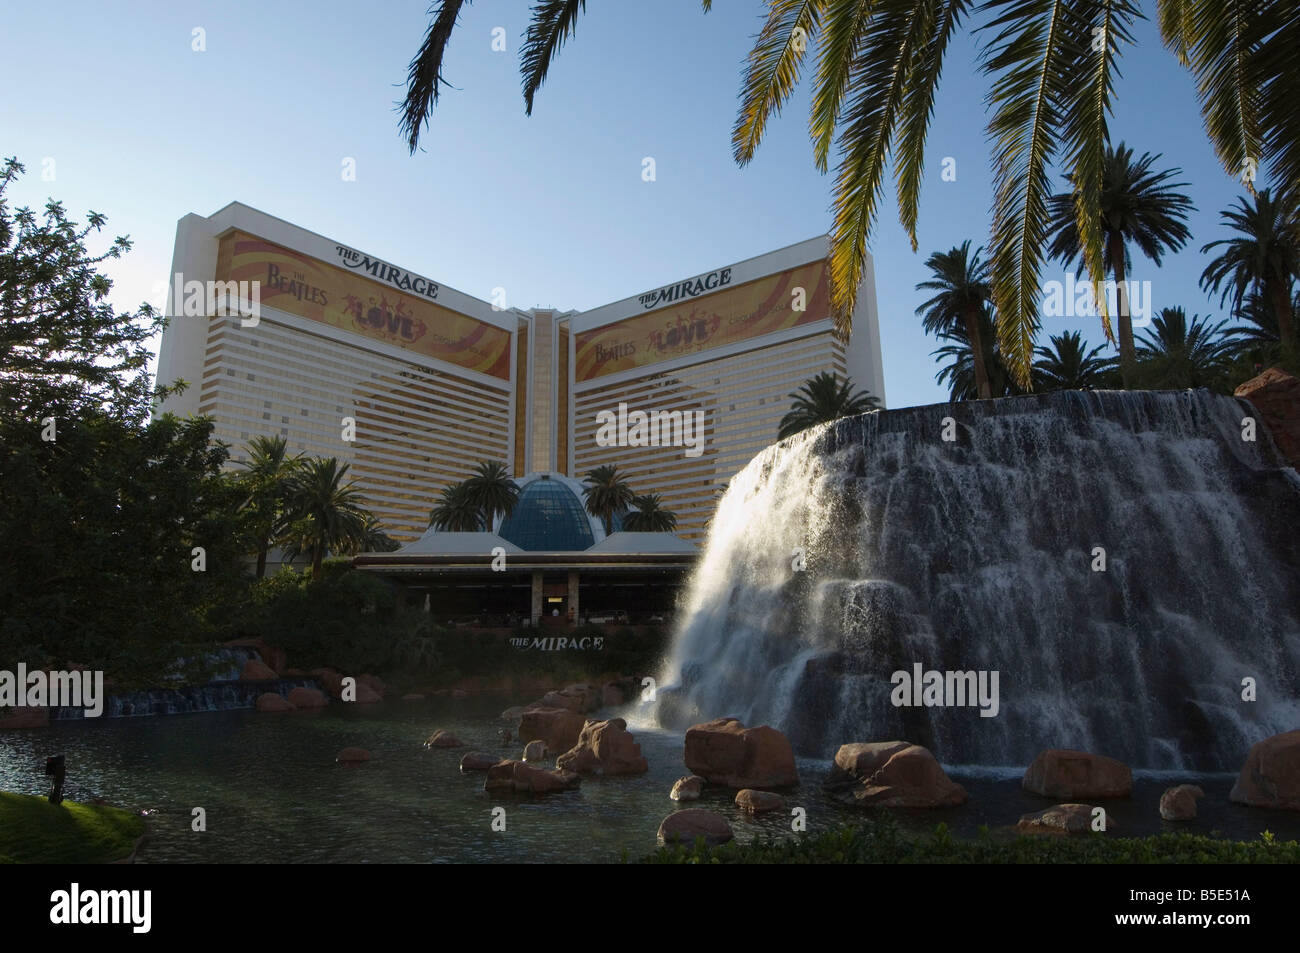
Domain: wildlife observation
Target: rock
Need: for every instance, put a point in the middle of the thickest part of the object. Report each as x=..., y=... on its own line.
x=1276, y=395
x=353, y=756
x=413, y=697
x=512, y=715
x=724, y=751
x=478, y=761
x=25, y=717
x=1271, y=775
x=1077, y=774
x=535, y=751
x=611, y=695
x=579, y=698
x=255, y=670
x=519, y=778
x=892, y=774
x=367, y=695
x=373, y=682
x=1179, y=803
x=687, y=788
x=270, y=701
x=1061, y=819
x=758, y=802
x=443, y=739
x=307, y=698
x=604, y=748
x=330, y=680
x=558, y=728
x=687, y=825
x=273, y=656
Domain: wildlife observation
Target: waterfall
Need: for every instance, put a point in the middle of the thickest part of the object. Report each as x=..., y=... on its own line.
x=984, y=552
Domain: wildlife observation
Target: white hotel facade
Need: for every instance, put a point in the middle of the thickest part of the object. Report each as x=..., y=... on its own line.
x=436, y=381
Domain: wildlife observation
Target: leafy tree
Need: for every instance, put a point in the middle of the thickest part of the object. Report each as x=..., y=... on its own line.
x=492, y=491
x=1137, y=206
x=456, y=511
x=1264, y=257
x=322, y=512
x=962, y=291
x=821, y=399
x=269, y=471
x=1178, y=354
x=649, y=516
x=1069, y=365
x=606, y=494
x=1052, y=65
x=959, y=372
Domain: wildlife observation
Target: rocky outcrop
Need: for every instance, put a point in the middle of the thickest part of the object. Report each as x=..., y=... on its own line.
x=687, y=788
x=307, y=698
x=1077, y=774
x=443, y=739
x=758, y=802
x=1271, y=775
x=272, y=655
x=515, y=777
x=478, y=761
x=1276, y=395
x=366, y=695
x=579, y=698
x=255, y=670
x=25, y=717
x=270, y=701
x=1061, y=819
x=353, y=756
x=604, y=748
x=535, y=751
x=724, y=751
x=687, y=825
x=557, y=728
x=1179, y=803
x=892, y=774
x=331, y=680
x=374, y=683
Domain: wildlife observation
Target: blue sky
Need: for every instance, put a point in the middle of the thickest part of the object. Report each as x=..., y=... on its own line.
x=552, y=208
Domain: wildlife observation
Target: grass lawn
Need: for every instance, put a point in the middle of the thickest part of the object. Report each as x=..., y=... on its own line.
x=33, y=831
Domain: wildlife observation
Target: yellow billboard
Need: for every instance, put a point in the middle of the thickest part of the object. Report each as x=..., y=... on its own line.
x=774, y=303
x=302, y=285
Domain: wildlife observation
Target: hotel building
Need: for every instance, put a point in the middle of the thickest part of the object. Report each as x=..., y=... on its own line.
x=413, y=383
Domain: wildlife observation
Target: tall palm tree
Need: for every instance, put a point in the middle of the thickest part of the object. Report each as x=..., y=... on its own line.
x=1177, y=354
x=1052, y=66
x=1263, y=258
x=324, y=512
x=959, y=372
x=821, y=399
x=492, y=491
x=1137, y=206
x=267, y=474
x=1069, y=365
x=456, y=511
x=606, y=494
x=962, y=291
x=649, y=516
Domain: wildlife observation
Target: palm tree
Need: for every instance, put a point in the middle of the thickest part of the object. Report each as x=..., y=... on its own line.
x=1069, y=365
x=491, y=491
x=1179, y=354
x=959, y=372
x=456, y=511
x=1052, y=65
x=606, y=494
x=323, y=512
x=1264, y=258
x=1137, y=206
x=268, y=471
x=962, y=290
x=649, y=516
x=821, y=399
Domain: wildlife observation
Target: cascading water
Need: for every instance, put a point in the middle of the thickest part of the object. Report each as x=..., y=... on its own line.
x=980, y=553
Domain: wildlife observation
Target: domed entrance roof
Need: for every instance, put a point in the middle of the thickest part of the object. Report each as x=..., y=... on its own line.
x=548, y=517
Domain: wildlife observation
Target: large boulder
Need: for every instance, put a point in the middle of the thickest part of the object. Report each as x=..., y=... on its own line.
x=724, y=751
x=687, y=788
x=1179, y=803
x=557, y=728
x=478, y=761
x=270, y=701
x=535, y=751
x=367, y=695
x=1061, y=819
x=686, y=825
x=330, y=679
x=758, y=802
x=604, y=748
x=1276, y=395
x=307, y=698
x=515, y=777
x=1271, y=775
x=579, y=698
x=255, y=670
x=892, y=774
x=373, y=682
x=1077, y=774
x=443, y=739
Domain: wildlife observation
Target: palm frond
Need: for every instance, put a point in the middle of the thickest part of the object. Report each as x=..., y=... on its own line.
x=554, y=21
x=424, y=75
x=772, y=70
x=843, y=22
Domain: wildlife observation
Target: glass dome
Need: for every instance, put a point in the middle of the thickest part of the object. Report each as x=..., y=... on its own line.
x=548, y=517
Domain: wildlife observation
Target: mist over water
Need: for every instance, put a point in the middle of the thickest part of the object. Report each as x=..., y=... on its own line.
x=978, y=554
